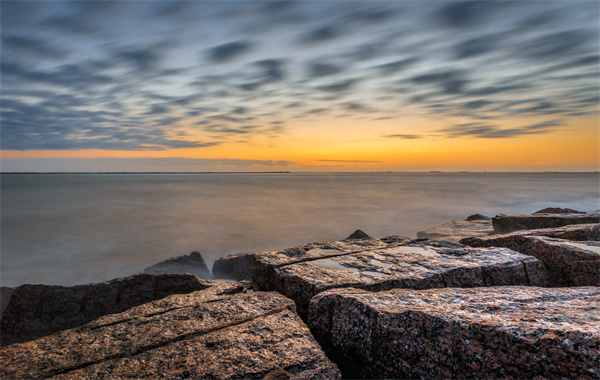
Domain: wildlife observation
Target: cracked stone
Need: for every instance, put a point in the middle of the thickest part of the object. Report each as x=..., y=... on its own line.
x=514, y=222
x=497, y=332
x=220, y=332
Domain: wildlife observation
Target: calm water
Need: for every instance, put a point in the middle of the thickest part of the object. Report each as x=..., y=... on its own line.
x=78, y=228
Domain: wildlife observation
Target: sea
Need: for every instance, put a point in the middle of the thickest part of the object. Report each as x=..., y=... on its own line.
x=68, y=229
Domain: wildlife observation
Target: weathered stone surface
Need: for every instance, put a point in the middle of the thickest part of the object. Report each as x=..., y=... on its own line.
x=38, y=310
x=192, y=263
x=302, y=272
x=576, y=232
x=223, y=332
x=558, y=210
x=359, y=234
x=457, y=229
x=473, y=217
x=513, y=222
x=568, y=263
x=5, y=293
x=241, y=266
x=498, y=332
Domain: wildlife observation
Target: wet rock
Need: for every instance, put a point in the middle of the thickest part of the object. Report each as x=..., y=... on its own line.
x=457, y=229
x=234, y=267
x=510, y=223
x=567, y=263
x=558, y=210
x=5, y=293
x=192, y=263
x=217, y=333
x=359, y=234
x=302, y=272
x=38, y=310
x=473, y=217
x=498, y=332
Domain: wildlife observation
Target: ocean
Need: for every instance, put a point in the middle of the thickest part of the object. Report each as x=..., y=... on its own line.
x=68, y=229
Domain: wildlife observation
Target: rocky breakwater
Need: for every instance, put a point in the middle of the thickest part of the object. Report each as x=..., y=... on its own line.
x=381, y=264
x=497, y=332
x=223, y=332
x=514, y=222
x=38, y=310
x=569, y=262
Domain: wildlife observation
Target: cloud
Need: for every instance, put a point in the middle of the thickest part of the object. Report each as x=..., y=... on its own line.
x=404, y=136
x=395, y=66
x=321, y=34
x=31, y=45
x=464, y=14
x=342, y=86
x=556, y=45
x=352, y=161
x=322, y=69
x=489, y=131
x=229, y=51
x=475, y=46
x=140, y=59
x=449, y=82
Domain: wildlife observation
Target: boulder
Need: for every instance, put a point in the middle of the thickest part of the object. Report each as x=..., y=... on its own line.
x=575, y=232
x=558, y=210
x=223, y=332
x=509, y=223
x=568, y=263
x=497, y=332
x=457, y=229
x=38, y=310
x=301, y=273
x=5, y=293
x=192, y=263
x=359, y=234
x=473, y=217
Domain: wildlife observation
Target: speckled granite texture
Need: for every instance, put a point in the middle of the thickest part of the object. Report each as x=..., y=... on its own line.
x=514, y=222
x=224, y=332
x=497, y=332
x=575, y=232
x=568, y=263
x=302, y=272
x=38, y=310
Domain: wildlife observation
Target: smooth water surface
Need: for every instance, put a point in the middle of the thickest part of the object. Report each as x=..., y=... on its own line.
x=79, y=228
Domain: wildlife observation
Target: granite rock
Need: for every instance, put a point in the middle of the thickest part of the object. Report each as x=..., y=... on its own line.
x=38, y=310
x=558, y=210
x=5, y=293
x=394, y=262
x=509, y=223
x=575, y=232
x=568, y=263
x=497, y=332
x=192, y=263
x=223, y=332
x=359, y=234
x=473, y=217
x=458, y=229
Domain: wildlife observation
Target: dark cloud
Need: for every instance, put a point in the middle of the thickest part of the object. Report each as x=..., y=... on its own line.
x=69, y=24
x=342, y=86
x=490, y=131
x=272, y=70
x=354, y=161
x=31, y=45
x=476, y=104
x=322, y=34
x=229, y=51
x=556, y=45
x=395, y=66
x=497, y=89
x=449, y=82
x=322, y=69
x=475, y=46
x=404, y=136
x=462, y=14
x=140, y=59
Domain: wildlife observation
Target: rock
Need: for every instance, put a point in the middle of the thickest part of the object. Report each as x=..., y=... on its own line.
x=234, y=267
x=576, y=232
x=217, y=333
x=567, y=263
x=5, y=293
x=474, y=217
x=498, y=332
x=302, y=272
x=38, y=310
x=192, y=263
x=359, y=234
x=457, y=229
x=558, y=210
x=510, y=223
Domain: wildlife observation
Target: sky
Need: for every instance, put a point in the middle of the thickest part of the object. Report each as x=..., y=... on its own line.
x=300, y=85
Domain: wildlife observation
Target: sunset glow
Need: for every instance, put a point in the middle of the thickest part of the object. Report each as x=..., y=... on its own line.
x=300, y=86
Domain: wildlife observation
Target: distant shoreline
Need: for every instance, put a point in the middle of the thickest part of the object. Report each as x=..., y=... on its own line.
x=334, y=172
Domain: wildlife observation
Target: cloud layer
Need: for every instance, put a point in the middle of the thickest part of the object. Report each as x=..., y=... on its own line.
x=162, y=75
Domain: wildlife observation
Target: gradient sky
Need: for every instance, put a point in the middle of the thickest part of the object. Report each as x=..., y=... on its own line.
x=300, y=85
